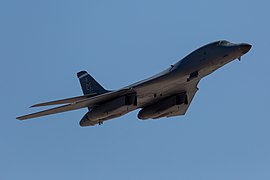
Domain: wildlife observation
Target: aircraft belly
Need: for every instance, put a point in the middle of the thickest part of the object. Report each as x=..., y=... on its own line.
x=150, y=94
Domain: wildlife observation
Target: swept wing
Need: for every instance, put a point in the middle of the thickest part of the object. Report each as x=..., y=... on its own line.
x=87, y=102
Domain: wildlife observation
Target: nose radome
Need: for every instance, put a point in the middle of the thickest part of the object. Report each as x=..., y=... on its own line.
x=245, y=47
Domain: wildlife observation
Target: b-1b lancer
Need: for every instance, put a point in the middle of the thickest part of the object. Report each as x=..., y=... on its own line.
x=166, y=94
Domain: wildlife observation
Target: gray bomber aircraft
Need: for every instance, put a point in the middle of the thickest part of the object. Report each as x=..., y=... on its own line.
x=166, y=94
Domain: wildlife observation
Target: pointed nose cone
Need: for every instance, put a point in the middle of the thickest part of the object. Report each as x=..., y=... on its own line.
x=245, y=47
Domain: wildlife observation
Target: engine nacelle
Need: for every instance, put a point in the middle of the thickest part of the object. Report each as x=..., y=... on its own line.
x=164, y=107
x=86, y=122
x=111, y=109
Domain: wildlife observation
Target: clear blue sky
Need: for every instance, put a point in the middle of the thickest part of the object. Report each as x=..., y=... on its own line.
x=224, y=135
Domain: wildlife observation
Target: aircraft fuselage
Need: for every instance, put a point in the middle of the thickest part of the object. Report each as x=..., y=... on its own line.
x=175, y=79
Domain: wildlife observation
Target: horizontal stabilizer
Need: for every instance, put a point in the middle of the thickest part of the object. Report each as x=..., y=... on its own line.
x=65, y=101
x=87, y=102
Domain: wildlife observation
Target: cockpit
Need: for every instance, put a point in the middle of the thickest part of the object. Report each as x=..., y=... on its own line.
x=224, y=43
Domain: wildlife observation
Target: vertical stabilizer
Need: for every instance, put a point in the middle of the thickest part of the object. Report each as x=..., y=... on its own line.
x=89, y=84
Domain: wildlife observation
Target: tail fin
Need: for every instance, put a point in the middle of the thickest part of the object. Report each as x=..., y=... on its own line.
x=89, y=84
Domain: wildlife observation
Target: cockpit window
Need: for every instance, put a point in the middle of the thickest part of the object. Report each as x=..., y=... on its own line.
x=224, y=43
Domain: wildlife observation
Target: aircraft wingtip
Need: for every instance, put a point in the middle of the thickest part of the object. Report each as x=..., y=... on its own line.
x=19, y=118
